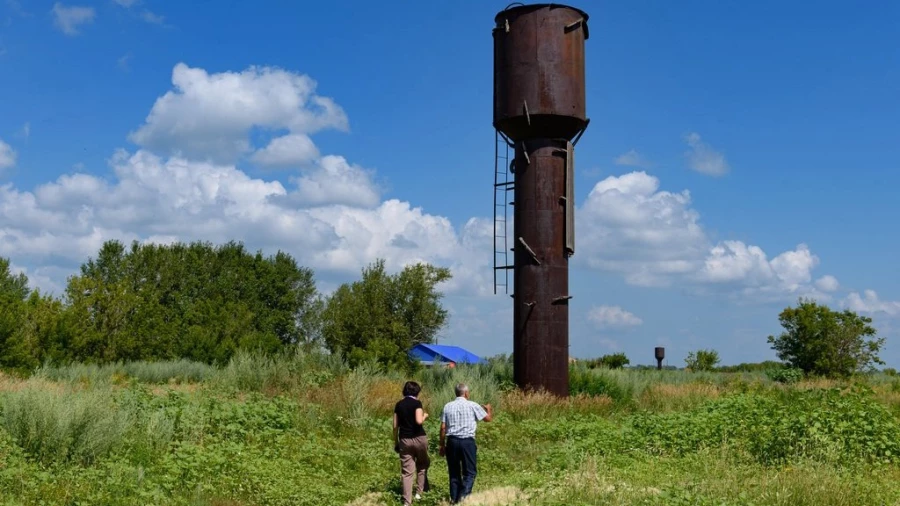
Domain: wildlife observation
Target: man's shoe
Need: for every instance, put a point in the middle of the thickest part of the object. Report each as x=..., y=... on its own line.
x=418, y=497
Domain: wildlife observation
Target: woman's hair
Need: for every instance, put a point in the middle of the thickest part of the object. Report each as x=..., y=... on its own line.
x=411, y=389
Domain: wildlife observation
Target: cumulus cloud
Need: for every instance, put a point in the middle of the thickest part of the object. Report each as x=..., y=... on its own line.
x=612, y=316
x=7, y=156
x=69, y=19
x=632, y=159
x=287, y=151
x=870, y=303
x=627, y=226
x=210, y=116
x=827, y=283
x=158, y=199
x=703, y=158
x=654, y=238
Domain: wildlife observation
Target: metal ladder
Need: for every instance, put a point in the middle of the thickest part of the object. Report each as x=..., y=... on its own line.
x=503, y=188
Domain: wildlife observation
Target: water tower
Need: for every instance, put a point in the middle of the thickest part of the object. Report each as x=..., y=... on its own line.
x=539, y=113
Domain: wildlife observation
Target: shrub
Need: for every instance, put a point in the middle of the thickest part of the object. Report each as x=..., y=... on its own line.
x=611, y=361
x=785, y=375
x=702, y=360
x=822, y=425
x=59, y=426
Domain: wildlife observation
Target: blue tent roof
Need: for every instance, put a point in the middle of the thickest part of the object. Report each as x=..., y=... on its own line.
x=440, y=353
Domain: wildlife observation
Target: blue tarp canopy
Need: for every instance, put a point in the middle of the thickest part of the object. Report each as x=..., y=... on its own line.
x=438, y=354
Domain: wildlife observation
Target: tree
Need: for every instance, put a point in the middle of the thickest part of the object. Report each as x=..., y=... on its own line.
x=702, y=360
x=12, y=285
x=382, y=316
x=818, y=340
x=190, y=301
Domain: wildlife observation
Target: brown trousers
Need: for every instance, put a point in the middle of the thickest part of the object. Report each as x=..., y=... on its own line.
x=414, y=461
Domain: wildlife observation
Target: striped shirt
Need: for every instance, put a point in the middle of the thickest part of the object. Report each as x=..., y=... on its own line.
x=461, y=416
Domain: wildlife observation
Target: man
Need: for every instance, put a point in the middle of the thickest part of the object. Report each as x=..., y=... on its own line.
x=459, y=420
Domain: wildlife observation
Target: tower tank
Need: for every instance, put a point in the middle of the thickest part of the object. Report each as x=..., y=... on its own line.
x=539, y=105
x=539, y=86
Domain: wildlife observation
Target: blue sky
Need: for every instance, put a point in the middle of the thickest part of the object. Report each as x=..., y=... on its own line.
x=738, y=157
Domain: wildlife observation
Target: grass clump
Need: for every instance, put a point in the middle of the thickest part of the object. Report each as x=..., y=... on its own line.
x=64, y=426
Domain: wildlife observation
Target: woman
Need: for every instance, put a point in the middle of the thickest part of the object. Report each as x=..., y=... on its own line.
x=411, y=442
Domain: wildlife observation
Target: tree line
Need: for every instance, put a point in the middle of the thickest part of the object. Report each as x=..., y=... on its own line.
x=816, y=340
x=203, y=302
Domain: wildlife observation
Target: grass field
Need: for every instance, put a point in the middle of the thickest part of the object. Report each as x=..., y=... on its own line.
x=305, y=430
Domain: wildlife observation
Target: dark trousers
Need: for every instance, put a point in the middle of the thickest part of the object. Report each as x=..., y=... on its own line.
x=461, y=462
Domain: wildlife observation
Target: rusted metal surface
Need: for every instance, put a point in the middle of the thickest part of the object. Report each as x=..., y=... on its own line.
x=539, y=89
x=539, y=104
x=541, y=276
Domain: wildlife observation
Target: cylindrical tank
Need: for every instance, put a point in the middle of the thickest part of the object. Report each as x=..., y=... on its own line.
x=541, y=280
x=539, y=71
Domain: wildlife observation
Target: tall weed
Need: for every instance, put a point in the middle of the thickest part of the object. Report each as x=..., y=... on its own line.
x=61, y=426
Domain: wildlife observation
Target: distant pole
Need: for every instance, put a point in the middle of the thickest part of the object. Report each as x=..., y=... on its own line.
x=660, y=353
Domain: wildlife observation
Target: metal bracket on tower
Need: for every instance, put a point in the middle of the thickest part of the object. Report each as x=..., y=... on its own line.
x=530, y=251
x=561, y=299
x=587, y=122
x=525, y=153
x=527, y=116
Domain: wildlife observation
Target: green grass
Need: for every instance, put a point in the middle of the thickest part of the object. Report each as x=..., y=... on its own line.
x=303, y=429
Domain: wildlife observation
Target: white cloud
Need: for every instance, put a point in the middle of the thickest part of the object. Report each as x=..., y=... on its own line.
x=703, y=158
x=870, y=303
x=68, y=19
x=64, y=222
x=127, y=3
x=827, y=283
x=287, y=151
x=152, y=18
x=210, y=116
x=632, y=159
x=124, y=61
x=612, y=316
x=335, y=181
x=654, y=238
x=26, y=130
x=7, y=156
x=627, y=226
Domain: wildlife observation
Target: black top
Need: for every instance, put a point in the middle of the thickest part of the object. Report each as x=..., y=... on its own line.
x=406, y=418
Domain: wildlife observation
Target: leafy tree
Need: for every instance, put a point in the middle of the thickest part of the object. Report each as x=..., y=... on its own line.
x=12, y=285
x=190, y=301
x=819, y=340
x=702, y=360
x=381, y=316
x=13, y=291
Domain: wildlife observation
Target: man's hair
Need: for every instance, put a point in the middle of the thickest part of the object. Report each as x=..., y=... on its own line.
x=461, y=389
x=411, y=389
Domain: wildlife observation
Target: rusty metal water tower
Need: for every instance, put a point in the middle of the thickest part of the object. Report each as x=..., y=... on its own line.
x=539, y=113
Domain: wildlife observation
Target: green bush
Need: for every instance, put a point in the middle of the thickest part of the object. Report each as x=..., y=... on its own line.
x=60, y=426
x=702, y=360
x=597, y=382
x=823, y=425
x=785, y=375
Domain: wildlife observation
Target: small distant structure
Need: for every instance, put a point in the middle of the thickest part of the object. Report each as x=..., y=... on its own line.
x=660, y=353
x=436, y=355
